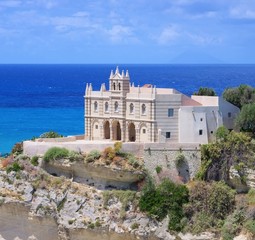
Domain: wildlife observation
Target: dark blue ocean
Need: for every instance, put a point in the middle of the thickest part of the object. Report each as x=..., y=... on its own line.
x=39, y=98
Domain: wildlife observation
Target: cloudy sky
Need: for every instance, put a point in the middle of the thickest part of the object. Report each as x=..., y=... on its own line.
x=127, y=31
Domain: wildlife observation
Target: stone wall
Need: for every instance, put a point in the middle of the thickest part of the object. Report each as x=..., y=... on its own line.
x=164, y=156
x=32, y=148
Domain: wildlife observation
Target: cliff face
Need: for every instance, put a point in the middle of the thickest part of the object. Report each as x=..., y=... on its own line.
x=35, y=203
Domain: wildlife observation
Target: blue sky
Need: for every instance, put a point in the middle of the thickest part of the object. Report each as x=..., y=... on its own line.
x=127, y=31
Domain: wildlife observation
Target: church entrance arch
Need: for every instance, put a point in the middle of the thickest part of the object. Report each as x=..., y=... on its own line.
x=131, y=132
x=107, y=130
x=116, y=131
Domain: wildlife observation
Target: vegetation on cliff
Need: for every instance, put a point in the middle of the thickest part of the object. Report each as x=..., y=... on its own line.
x=239, y=96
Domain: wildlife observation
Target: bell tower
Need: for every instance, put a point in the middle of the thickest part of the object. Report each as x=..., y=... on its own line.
x=119, y=84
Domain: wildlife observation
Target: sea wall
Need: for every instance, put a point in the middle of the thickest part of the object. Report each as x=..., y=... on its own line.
x=164, y=157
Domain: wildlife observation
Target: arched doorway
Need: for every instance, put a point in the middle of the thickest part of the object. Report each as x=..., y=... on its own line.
x=131, y=132
x=116, y=131
x=107, y=130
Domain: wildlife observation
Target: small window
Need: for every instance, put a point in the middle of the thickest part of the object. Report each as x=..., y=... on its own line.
x=201, y=119
x=170, y=112
x=168, y=134
x=131, y=108
x=144, y=130
x=143, y=109
x=211, y=132
x=200, y=132
x=96, y=126
x=106, y=107
x=229, y=114
x=95, y=106
x=119, y=86
x=116, y=107
x=114, y=86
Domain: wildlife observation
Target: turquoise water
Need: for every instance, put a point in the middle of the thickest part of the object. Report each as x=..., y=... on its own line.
x=19, y=124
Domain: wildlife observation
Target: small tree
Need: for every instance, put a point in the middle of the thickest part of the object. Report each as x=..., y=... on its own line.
x=246, y=119
x=204, y=91
x=239, y=96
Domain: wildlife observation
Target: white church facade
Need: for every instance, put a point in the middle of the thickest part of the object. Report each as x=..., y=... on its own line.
x=149, y=114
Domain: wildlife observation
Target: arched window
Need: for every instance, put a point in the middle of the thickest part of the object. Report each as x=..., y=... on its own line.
x=106, y=107
x=95, y=106
x=143, y=109
x=116, y=107
x=131, y=108
x=114, y=86
x=119, y=86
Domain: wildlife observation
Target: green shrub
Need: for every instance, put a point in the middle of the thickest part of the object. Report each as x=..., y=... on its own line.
x=134, y=225
x=117, y=146
x=92, y=156
x=14, y=167
x=74, y=156
x=51, y=134
x=232, y=225
x=98, y=224
x=165, y=199
x=34, y=160
x=179, y=160
x=91, y=225
x=251, y=196
x=55, y=153
x=250, y=226
x=109, y=153
x=158, y=169
x=132, y=160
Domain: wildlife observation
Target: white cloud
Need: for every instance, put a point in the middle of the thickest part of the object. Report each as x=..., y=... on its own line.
x=81, y=14
x=10, y=3
x=242, y=12
x=119, y=33
x=48, y=4
x=204, y=39
x=169, y=34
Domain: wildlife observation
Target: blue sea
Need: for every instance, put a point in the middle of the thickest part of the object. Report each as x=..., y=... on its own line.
x=38, y=98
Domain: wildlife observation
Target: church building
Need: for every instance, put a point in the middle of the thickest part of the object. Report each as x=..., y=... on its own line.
x=131, y=113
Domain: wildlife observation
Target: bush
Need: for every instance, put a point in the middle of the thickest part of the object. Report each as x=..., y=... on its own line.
x=250, y=226
x=179, y=160
x=158, y=169
x=251, y=196
x=117, y=146
x=55, y=153
x=92, y=156
x=34, y=160
x=134, y=225
x=14, y=167
x=132, y=160
x=17, y=148
x=51, y=134
x=109, y=153
x=232, y=225
x=74, y=156
x=165, y=199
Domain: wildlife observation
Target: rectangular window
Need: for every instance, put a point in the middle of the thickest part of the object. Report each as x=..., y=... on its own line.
x=229, y=114
x=170, y=112
x=200, y=132
x=168, y=134
x=144, y=130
